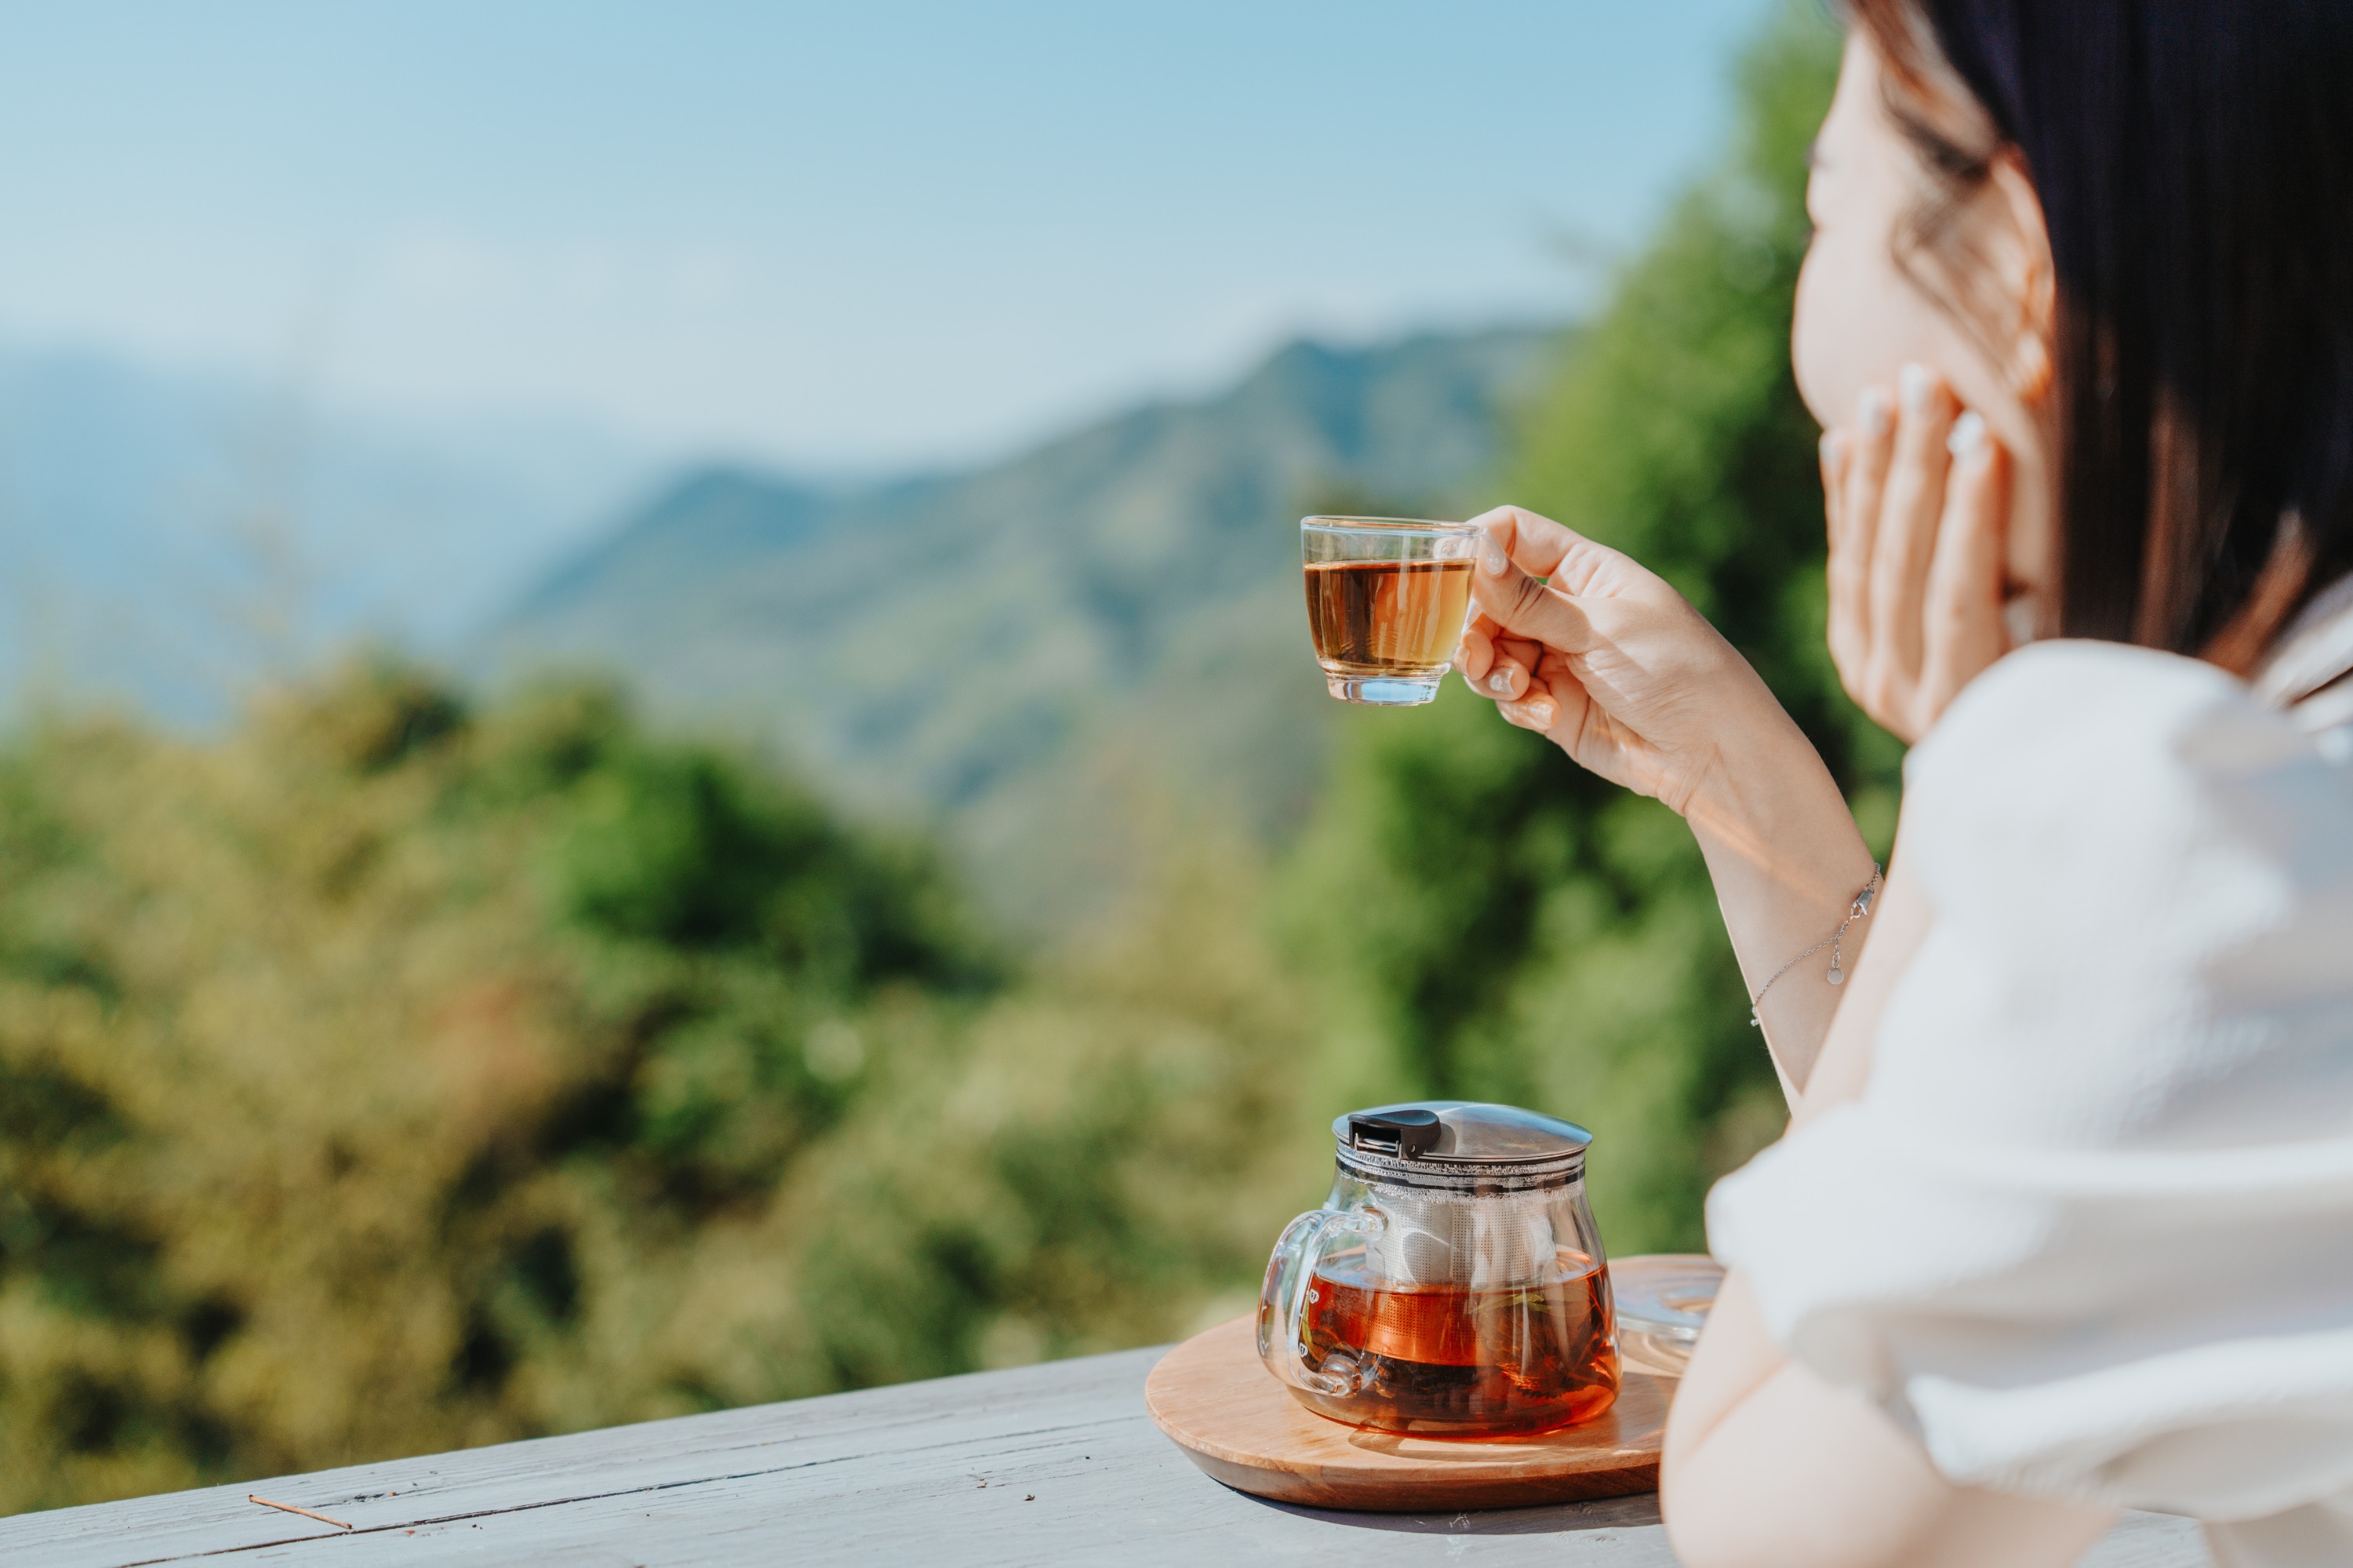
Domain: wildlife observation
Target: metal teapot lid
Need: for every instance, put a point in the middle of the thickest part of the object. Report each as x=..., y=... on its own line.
x=1472, y=1138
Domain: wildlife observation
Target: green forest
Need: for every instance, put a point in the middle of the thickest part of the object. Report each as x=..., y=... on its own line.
x=412, y=1068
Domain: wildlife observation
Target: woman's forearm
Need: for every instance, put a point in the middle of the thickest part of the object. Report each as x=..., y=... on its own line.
x=1788, y=862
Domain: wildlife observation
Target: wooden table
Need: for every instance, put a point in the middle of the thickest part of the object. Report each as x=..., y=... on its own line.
x=1053, y=1464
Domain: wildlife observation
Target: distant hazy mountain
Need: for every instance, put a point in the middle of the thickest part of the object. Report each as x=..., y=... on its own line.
x=998, y=645
x=166, y=537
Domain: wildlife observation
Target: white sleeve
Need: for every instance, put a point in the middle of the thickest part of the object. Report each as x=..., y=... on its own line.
x=2089, y=1229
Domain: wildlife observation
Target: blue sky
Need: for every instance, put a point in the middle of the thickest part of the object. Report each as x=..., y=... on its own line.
x=848, y=236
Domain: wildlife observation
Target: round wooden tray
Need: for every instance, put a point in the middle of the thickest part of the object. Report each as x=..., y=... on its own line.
x=1232, y=1418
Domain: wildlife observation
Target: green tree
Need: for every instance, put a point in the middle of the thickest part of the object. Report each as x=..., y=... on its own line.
x=1489, y=921
x=394, y=1076
x=389, y=1075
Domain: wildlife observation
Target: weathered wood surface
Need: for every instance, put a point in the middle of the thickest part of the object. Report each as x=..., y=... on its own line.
x=1215, y=1400
x=1045, y=1465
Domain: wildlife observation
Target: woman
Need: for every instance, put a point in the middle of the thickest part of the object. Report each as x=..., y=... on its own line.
x=2064, y=1220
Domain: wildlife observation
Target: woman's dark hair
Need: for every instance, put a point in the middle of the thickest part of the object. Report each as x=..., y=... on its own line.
x=2194, y=159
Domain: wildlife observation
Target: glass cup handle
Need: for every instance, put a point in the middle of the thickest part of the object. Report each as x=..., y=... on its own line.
x=1282, y=1342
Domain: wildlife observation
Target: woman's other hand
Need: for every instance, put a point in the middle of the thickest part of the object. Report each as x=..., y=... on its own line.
x=1610, y=661
x=1917, y=494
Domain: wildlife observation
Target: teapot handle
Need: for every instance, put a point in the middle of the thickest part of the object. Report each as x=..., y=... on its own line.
x=1283, y=1299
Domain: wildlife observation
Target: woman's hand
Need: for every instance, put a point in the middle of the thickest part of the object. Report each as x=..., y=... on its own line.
x=1609, y=661
x=1618, y=670
x=1918, y=498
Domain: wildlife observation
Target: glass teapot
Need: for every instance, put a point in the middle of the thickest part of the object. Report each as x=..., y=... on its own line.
x=1453, y=1284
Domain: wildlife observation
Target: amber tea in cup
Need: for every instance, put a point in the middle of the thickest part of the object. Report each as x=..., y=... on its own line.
x=1387, y=601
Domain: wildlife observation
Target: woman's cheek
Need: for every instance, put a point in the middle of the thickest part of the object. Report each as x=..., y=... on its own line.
x=1829, y=369
x=1857, y=321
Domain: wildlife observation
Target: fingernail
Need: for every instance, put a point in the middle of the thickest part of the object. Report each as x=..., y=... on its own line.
x=1541, y=711
x=1871, y=412
x=1829, y=452
x=1492, y=559
x=1967, y=440
x=1499, y=682
x=1919, y=385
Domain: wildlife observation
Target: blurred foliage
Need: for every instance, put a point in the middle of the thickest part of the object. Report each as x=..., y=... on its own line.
x=1491, y=922
x=392, y=1078
x=396, y=1074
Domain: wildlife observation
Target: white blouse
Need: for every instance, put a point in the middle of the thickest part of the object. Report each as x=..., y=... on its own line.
x=2089, y=1229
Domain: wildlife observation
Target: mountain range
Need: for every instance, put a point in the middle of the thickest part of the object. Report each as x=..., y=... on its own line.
x=168, y=536
x=1036, y=650
x=1030, y=652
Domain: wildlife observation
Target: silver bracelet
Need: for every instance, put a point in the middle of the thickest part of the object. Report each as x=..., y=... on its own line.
x=1855, y=911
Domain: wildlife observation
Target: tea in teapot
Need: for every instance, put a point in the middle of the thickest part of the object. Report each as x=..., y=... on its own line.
x=1453, y=1283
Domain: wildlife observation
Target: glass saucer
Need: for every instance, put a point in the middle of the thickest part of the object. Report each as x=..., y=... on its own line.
x=1662, y=1300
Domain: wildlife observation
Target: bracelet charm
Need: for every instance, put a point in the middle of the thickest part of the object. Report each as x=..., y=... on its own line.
x=1856, y=910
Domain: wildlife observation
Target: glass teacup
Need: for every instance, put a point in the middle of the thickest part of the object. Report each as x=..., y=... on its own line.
x=1387, y=601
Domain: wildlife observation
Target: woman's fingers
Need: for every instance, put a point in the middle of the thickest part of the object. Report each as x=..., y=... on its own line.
x=1916, y=499
x=1833, y=514
x=1574, y=564
x=1538, y=543
x=1866, y=453
x=1519, y=650
x=1494, y=665
x=1522, y=606
x=1849, y=555
x=1913, y=500
x=1535, y=708
x=1557, y=706
x=1961, y=619
x=1513, y=670
x=1475, y=654
x=1871, y=450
